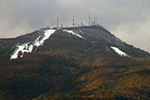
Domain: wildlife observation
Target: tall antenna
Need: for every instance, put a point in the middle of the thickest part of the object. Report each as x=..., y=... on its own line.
x=96, y=19
x=57, y=22
x=89, y=19
x=73, y=20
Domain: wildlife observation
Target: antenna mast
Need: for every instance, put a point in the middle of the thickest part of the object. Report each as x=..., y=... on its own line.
x=57, y=22
x=73, y=21
x=89, y=19
x=96, y=20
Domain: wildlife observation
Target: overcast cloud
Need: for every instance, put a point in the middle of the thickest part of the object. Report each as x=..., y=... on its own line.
x=127, y=19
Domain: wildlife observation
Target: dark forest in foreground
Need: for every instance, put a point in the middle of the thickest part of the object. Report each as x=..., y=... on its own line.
x=60, y=75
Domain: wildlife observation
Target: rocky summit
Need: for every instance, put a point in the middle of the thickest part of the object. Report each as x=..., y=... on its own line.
x=77, y=39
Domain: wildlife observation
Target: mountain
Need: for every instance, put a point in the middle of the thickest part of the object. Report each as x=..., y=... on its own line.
x=84, y=63
x=77, y=39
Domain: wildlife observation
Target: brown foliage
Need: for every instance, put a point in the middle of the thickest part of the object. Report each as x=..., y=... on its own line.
x=62, y=75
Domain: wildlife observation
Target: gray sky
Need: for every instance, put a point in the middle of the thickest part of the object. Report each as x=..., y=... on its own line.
x=127, y=19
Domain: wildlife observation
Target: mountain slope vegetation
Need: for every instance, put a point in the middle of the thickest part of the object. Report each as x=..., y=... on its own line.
x=60, y=75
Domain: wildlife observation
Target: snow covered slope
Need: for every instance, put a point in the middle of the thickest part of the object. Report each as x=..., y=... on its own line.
x=79, y=40
x=70, y=31
x=119, y=51
x=28, y=47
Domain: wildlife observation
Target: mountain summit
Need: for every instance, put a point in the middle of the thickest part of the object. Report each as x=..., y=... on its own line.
x=74, y=63
x=77, y=39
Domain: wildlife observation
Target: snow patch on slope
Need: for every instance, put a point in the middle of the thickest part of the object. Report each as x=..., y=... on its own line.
x=47, y=34
x=22, y=48
x=28, y=47
x=73, y=33
x=119, y=51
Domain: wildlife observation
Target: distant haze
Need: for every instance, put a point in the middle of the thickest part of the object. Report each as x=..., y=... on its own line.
x=127, y=19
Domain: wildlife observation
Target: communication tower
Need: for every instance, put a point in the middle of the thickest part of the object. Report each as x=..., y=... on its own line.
x=57, y=22
x=73, y=21
x=89, y=19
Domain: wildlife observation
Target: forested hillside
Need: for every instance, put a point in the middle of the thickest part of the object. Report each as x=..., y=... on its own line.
x=63, y=75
